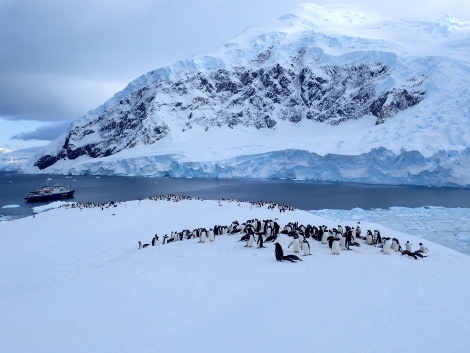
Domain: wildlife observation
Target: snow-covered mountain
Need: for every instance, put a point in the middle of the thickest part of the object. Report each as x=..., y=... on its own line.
x=321, y=94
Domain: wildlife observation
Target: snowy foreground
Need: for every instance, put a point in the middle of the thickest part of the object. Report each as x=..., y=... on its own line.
x=74, y=280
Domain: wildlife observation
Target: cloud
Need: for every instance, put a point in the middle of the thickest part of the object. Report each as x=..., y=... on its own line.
x=47, y=132
x=59, y=59
x=51, y=97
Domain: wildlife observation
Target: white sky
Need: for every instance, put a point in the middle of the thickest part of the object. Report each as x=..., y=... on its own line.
x=59, y=59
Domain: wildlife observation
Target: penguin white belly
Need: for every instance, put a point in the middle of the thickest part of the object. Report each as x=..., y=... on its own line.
x=342, y=244
x=250, y=241
x=387, y=246
x=202, y=237
x=335, y=247
x=305, y=249
x=369, y=239
x=210, y=236
x=296, y=246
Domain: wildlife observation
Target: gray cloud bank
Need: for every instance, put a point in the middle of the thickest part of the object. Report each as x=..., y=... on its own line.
x=44, y=133
x=59, y=59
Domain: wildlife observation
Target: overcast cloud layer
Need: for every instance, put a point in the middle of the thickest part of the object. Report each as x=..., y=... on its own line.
x=59, y=59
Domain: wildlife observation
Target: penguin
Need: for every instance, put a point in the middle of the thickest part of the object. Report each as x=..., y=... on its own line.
x=330, y=241
x=291, y=258
x=377, y=238
x=210, y=235
x=260, y=242
x=349, y=236
x=335, y=247
x=414, y=254
x=276, y=228
x=358, y=231
x=387, y=246
x=408, y=246
x=279, y=254
x=369, y=238
x=250, y=241
x=342, y=242
x=306, y=247
x=142, y=245
x=340, y=229
x=317, y=233
x=268, y=231
x=153, y=241
x=325, y=235
x=396, y=245
x=202, y=237
x=422, y=248
x=295, y=244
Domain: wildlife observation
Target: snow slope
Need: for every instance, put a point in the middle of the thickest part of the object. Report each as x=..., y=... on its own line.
x=76, y=282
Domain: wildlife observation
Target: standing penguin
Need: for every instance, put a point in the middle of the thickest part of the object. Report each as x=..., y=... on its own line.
x=335, y=247
x=358, y=231
x=326, y=233
x=295, y=244
x=408, y=246
x=369, y=239
x=387, y=246
x=260, y=242
x=340, y=229
x=202, y=237
x=210, y=235
x=422, y=248
x=250, y=241
x=348, y=238
x=396, y=245
x=306, y=247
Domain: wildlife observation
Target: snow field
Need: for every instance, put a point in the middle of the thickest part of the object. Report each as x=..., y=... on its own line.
x=77, y=282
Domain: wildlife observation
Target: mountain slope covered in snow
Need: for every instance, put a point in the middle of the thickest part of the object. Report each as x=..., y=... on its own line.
x=321, y=94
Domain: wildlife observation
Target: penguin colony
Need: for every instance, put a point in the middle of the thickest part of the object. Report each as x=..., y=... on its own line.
x=256, y=233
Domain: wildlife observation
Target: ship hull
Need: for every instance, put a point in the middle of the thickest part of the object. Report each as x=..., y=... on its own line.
x=49, y=197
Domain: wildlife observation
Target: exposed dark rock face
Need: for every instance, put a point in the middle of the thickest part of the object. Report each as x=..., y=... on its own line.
x=258, y=96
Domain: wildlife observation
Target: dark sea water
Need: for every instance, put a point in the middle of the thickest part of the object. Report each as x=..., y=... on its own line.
x=299, y=194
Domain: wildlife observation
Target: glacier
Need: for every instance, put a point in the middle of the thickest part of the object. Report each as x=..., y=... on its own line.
x=379, y=166
x=320, y=94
